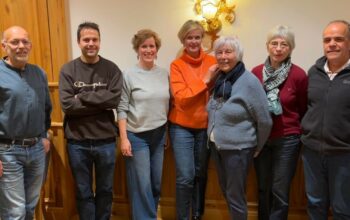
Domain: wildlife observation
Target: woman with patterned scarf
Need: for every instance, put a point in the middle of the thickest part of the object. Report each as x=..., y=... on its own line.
x=239, y=123
x=286, y=87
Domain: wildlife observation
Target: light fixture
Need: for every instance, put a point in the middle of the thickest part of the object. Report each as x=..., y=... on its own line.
x=212, y=11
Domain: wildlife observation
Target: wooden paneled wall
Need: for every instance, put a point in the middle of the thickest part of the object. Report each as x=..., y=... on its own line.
x=47, y=24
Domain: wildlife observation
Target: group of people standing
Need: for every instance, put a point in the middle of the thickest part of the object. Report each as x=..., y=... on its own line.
x=208, y=105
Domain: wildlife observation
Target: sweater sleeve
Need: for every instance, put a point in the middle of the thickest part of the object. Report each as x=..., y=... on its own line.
x=123, y=107
x=260, y=113
x=257, y=71
x=69, y=103
x=48, y=105
x=105, y=98
x=302, y=94
x=185, y=91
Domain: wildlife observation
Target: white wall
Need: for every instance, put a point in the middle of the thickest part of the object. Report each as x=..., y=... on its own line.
x=119, y=20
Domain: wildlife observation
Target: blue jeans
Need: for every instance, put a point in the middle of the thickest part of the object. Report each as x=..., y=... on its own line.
x=21, y=181
x=144, y=172
x=275, y=168
x=83, y=155
x=232, y=167
x=327, y=183
x=191, y=160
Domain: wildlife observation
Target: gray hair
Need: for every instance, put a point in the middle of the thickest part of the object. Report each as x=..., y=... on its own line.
x=232, y=42
x=283, y=32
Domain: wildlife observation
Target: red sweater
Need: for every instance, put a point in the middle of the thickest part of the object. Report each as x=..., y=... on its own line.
x=190, y=94
x=293, y=97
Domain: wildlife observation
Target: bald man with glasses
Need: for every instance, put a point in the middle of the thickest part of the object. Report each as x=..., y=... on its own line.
x=25, y=109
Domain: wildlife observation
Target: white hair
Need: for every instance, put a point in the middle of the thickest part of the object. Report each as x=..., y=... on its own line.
x=232, y=42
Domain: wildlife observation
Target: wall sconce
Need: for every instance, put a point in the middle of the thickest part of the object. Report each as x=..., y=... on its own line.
x=211, y=10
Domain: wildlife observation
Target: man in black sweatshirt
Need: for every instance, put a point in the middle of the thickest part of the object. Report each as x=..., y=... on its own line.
x=90, y=87
x=326, y=127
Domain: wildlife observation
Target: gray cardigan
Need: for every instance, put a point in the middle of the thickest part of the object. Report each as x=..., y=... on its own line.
x=243, y=121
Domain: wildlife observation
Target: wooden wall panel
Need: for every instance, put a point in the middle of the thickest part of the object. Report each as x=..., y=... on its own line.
x=47, y=23
x=29, y=14
x=59, y=37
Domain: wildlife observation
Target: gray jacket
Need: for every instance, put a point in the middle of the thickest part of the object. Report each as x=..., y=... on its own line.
x=243, y=121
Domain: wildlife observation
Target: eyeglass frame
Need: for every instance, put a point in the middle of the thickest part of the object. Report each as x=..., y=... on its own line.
x=16, y=42
x=282, y=45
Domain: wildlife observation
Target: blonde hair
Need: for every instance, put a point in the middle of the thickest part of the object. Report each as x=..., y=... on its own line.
x=187, y=27
x=231, y=41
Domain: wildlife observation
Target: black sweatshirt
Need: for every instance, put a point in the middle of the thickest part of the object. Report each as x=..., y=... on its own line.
x=88, y=93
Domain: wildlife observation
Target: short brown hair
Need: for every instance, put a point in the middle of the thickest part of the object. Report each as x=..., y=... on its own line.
x=143, y=35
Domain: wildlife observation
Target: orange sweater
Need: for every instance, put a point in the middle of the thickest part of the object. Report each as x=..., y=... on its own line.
x=189, y=93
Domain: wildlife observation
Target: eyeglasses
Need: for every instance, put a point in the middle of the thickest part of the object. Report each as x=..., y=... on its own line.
x=16, y=42
x=282, y=45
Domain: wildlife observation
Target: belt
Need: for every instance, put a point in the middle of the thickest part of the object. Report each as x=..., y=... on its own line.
x=26, y=142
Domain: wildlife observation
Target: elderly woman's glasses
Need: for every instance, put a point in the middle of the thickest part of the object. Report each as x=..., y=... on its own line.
x=282, y=45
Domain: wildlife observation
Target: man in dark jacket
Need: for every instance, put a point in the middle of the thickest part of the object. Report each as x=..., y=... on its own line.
x=326, y=127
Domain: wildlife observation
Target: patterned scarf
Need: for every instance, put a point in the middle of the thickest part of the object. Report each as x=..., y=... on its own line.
x=272, y=80
x=225, y=81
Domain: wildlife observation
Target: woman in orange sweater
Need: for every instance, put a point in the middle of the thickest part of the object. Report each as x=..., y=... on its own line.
x=191, y=76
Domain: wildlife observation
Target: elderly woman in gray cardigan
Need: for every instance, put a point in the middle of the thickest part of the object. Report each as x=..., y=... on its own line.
x=239, y=123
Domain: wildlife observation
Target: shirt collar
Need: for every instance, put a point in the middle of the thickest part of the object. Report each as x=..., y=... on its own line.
x=326, y=68
x=13, y=68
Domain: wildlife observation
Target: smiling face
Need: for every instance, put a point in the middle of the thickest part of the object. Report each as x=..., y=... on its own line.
x=226, y=58
x=193, y=42
x=147, y=52
x=278, y=49
x=336, y=44
x=16, y=45
x=89, y=44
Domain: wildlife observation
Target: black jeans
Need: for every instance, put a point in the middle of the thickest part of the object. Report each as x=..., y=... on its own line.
x=275, y=168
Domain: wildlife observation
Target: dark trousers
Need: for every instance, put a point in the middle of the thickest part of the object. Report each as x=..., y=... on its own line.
x=83, y=157
x=327, y=184
x=275, y=168
x=232, y=168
